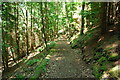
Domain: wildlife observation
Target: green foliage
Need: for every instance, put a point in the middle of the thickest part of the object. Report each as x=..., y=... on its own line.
x=98, y=70
x=88, y=36
x=40, y=49
x=99, y=55
x=42, y=55
x=41, y=67
x=51, y=44
x=74, y=43
x=33, y=61
x=114, y=72
x=113, y=57
x=19, y=77
x=109, y=48
x=102, y=59
x=81, y=41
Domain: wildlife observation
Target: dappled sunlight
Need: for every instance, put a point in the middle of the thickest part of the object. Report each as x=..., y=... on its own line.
x=66, y=63
x=59, y=58
x=117, y=62
x=56, y=57
x=75, y=36
x=77, y=61
x=68, y=42
x=11, y=64
x=114, y=54
x=113, y=72
x=48, y=57
x=105, y=75
x=116, y=68
x=111, y=30
x=102, y=38
x=32, y=55
x=60, y=40
x=112, y=45
x=85, y=30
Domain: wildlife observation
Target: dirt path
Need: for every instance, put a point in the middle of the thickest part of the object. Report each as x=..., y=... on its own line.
x=67, y=63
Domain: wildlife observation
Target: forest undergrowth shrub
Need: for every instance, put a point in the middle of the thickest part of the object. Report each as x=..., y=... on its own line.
x=113, y=57
x=41, y=64
x=96, y=71
x=82, y=40
x=101, y=60
x=51, y=44
x=33, y=61
x=40, y=68
x=38, y=64
x=100, y=67
x=19, y=76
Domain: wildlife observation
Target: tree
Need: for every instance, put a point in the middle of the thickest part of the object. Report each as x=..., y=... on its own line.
x=103, y=17
x=82, y=25
x=43, y=23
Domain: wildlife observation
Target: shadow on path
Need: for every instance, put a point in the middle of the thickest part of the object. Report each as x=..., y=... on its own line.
x=66, y=63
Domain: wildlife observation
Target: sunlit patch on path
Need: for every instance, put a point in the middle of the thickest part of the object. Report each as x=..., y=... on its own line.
x=66, y=63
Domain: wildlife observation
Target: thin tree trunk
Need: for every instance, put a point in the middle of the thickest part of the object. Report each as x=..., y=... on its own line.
x=67, y=19
x=27, y=42
x=82, y=26
x=4, y=40
x=31, y=29
x=109, y=6
x=46, y=21
x=16, y=29
x=112, y=11
x=57, y=20
x=103, y=17
x=43, y=24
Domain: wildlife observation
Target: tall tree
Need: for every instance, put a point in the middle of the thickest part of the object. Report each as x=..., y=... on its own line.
x=16, y=28
x=83, y=22
x=27, y=39
x=43, y=24
x=31, y=27
x=103, y=17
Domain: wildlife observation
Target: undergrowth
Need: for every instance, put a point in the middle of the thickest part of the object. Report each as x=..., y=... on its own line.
x=102, y=57
x=37, y=65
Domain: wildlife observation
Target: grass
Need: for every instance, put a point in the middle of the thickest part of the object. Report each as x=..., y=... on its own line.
x=33, y=67
x=41, y=67
x=33, y=61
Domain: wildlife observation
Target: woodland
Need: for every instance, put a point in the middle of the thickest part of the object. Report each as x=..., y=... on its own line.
x=60, y=40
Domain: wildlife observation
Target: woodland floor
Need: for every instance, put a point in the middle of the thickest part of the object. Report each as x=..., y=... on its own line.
x=67, y=63
x=64, y=62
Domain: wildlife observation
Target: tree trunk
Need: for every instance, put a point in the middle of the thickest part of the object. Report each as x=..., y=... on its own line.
x=103, y=17
x=82, y=26
x=31, y=29
x=67, y=20
x=16, y=29
x=27, y=42
x=43, y=24
x=109, y=7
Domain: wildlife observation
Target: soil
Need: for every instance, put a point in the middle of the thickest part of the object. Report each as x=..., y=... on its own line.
x=64, y=62
x=67, y=63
